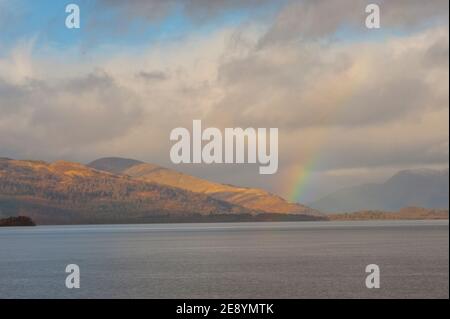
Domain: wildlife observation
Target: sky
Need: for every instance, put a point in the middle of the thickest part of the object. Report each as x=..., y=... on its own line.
x=352, y=105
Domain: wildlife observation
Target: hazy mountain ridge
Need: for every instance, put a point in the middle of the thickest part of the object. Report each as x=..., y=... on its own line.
x=251, y=198
x=426, y=188
x=407, y=213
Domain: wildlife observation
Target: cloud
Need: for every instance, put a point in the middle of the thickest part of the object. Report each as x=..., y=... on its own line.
x=302, y=20
x=353, y=84
x=67, y=114
x=152, y=76
x=348, y=105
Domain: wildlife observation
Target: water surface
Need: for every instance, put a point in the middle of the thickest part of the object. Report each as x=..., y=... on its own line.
x=228, y=260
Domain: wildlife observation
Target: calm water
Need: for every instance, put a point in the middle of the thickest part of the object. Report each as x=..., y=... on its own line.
x=239, y=260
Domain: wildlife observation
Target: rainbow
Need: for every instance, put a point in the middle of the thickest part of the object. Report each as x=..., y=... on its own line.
x=300, y=174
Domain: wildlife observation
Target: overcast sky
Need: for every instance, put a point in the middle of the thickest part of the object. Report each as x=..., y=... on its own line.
x=352, y=104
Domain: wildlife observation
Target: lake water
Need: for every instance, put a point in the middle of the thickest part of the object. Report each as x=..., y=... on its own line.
x=228, y=260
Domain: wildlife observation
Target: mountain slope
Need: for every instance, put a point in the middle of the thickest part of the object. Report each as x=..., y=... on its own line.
x=251, y=198
x=64, y=192
x=421, y=188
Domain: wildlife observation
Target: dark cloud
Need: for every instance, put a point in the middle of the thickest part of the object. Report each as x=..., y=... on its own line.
x=410, y=13
x=300, y=20
x=438, y=54
x=383, y=150
x=152, y=76
x=97, y=80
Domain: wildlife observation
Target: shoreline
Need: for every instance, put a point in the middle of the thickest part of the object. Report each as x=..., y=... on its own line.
x=228, y=219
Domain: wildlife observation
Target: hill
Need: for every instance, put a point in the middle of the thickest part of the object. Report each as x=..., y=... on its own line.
x=71, y=193
x=250, y=198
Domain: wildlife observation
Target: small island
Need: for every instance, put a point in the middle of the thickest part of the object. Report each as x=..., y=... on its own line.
x=17, y=221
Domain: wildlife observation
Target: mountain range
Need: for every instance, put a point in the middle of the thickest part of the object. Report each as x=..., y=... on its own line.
x=119, y=190
x=428, y=188
x=116, y=190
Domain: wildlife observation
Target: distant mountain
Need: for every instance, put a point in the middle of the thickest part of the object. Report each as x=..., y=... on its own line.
x=426, y=188
x=114, y=165
x=71, y=193
x=250, y=198
x=407, y=213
